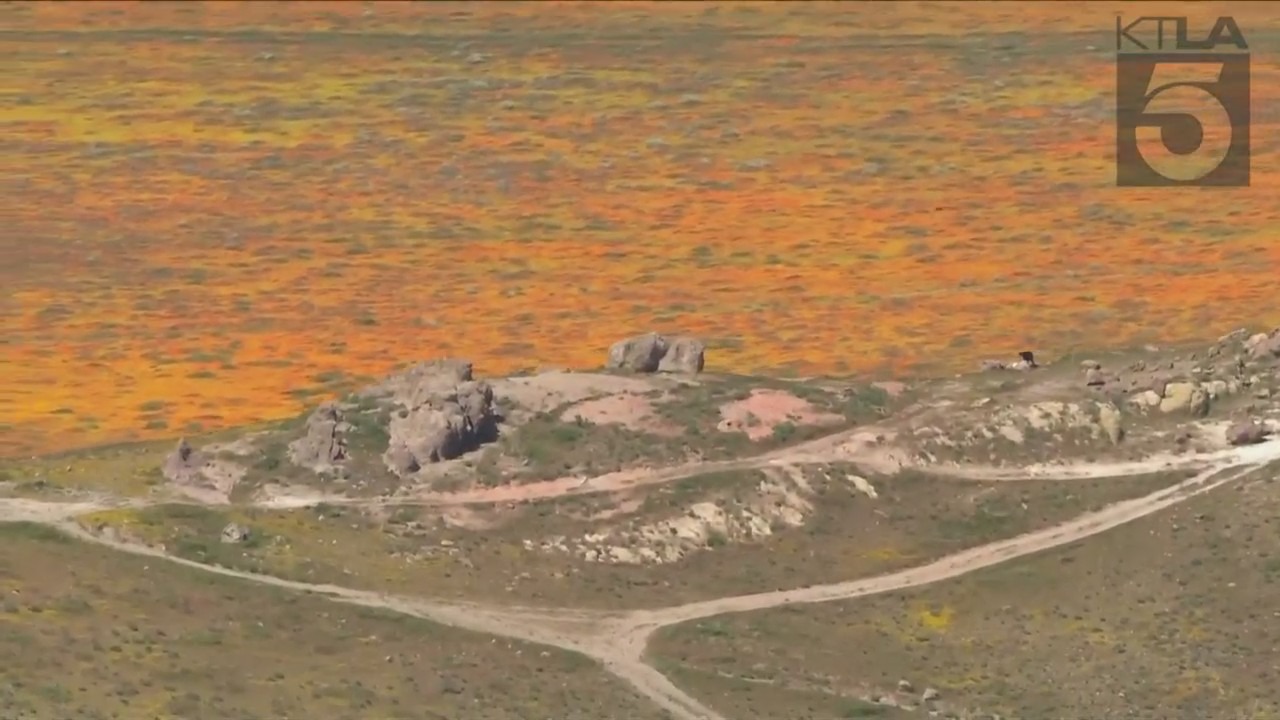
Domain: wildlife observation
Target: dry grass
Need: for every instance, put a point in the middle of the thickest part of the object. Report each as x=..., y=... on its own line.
x=216, y=207
x=915, y=519
x=91, y=634
x=1172, y=616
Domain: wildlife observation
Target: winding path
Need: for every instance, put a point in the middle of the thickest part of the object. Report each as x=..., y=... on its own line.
x=619, y=640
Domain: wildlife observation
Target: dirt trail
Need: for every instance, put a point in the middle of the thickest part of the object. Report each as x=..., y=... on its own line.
x=636, y=630
x=838, y=447
x=619, y=640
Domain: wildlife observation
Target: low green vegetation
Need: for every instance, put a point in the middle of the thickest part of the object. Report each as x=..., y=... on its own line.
x=87, y=633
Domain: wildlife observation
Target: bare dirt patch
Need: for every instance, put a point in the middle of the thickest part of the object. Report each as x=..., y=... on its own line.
x=765, y=410
x=632, y=411
x=547, y=391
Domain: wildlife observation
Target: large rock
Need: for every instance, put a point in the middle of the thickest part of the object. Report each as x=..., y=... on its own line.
x=1247, y=432
x=1264, y=345
x=428, y=381
x=324, y=441
x=652, y=352
x=641, y=353
x=443, y=414
x=1185, y=397
x=684, y=355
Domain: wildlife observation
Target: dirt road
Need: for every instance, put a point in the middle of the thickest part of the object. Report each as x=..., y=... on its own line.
x=619, y=640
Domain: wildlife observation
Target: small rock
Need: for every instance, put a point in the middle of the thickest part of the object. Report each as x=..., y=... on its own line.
x=905, y=686
x=233, y=534
x=1146, y=398
x=929, y=695
x=1248, y=432
x=1091, y=365
x=1094, y=378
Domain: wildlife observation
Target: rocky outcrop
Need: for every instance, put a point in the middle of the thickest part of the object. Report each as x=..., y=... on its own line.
x=324, y=442
x=184, y=465
x=201, y=474
x=431, y=412
x=652, y=352
x=442, y=414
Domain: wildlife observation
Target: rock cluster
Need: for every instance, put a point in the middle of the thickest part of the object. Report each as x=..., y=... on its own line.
x=652, y=352
x=433, y=411
x=441, y=413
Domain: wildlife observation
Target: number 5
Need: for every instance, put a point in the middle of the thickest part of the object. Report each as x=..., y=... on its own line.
x=1184, y=131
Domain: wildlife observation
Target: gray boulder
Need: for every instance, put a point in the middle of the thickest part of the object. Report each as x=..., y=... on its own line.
x=641, y=353
x=684, y=354
x=324, y=440
x=443, y=414
x=652, y=352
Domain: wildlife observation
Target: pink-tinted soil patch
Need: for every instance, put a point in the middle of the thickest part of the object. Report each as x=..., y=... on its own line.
x=632, y=411
x=764, y=410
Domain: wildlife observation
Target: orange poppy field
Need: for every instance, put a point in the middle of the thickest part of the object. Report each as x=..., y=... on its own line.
x=219, y=211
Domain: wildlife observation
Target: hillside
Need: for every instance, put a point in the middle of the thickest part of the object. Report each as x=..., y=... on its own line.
x=586, y=510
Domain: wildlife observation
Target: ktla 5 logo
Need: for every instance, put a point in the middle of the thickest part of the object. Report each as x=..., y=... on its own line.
x=1182, y=113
